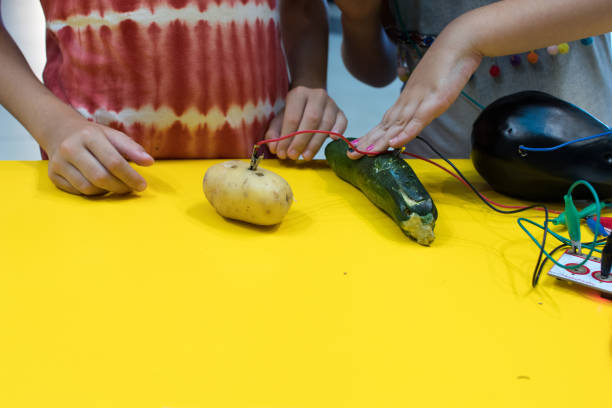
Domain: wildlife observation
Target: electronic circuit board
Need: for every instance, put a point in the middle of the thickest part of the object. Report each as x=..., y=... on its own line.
x=588, y=274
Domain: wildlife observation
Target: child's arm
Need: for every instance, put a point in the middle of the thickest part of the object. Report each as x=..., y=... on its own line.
x=308, y=106
x=367, y=52
x=84, y=158
x=502, y=28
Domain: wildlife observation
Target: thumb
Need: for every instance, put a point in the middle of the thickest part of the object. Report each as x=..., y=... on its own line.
x=274, y=130
x=129, y=148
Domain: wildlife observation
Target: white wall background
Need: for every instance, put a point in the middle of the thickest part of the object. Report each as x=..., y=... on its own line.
x=363, y=105
x=25, y=22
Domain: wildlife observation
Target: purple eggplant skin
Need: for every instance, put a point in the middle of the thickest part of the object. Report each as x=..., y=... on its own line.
x=537, y=119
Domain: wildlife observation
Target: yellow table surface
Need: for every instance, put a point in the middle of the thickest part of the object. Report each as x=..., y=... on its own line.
x=154, y=300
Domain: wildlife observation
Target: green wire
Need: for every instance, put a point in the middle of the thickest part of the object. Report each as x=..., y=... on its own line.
x=474, y=101
x=559, y=237
x=591, y=246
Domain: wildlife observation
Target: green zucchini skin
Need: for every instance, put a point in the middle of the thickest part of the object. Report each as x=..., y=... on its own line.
x=390, y=183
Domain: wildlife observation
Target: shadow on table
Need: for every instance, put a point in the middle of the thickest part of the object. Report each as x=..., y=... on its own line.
x=361, y=206
x=45, y=185
x=205, y=214
x=201, y=212
x=304, y=165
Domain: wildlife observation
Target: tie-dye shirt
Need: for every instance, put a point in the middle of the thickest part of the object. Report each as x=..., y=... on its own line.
x=184, y=78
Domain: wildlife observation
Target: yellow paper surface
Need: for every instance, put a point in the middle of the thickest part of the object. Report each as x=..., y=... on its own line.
x=154, y=300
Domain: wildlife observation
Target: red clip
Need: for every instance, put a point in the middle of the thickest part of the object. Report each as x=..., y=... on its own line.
x=605, y=222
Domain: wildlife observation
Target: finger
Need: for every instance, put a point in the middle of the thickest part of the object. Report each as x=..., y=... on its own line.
x=340, y=124
x=296, y=103
x=128, y=148
x=63, y=184
x=274, y=130
x=370, y=142
x=425, y=113
x=377, y=146
x=311, y=119
x=411, y=131
x=79, y=182
x=90, y=167
x=314, y=145
x=327, y=123
x=398, y=117
x=366, y=143
x=123, y=178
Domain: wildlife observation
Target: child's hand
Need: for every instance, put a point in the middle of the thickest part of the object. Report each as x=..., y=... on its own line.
x=305, y=109
x=432, y=87
x=91, y=159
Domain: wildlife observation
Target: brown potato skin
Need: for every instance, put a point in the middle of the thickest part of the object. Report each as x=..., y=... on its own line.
x=257, y=196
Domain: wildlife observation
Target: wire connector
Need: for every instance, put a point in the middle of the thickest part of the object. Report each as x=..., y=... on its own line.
x=255, y=158
x=572, y=221
x=606, y=258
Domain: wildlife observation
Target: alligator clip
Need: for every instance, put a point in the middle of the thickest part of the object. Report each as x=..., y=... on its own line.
x=586, y=212
x=596, y=227
x=398, y=152
x=606, y=258
x=255, y=158
x=572, y=221
x=576, y=247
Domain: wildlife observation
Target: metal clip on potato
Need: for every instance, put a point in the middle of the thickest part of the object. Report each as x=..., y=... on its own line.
x=255, y=158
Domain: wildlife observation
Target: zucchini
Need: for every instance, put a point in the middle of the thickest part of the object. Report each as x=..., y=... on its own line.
x=390, y=183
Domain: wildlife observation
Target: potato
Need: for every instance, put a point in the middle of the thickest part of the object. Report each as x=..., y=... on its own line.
x=255, y=196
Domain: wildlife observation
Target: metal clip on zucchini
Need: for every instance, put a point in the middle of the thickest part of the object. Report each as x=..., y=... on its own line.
x=398, y=152
x=255, y=158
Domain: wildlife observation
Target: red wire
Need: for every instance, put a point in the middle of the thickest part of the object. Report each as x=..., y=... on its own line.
x=468, y=186
x=327, y=132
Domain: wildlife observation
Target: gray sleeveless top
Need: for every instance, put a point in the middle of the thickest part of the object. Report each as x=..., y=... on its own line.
x=583, y=76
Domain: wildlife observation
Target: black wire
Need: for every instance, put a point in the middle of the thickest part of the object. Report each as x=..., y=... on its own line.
x=534, y=280
x=536, y=276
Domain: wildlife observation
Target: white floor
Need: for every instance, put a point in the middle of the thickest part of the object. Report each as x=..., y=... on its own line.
x=363, y=105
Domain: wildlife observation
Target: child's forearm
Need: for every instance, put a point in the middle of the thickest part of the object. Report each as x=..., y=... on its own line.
x=367, y=52
x=514, y=26
x=22, y=94
x=305, y=36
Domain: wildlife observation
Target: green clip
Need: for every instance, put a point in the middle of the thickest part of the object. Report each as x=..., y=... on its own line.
x=572, y=218
x=585, y=212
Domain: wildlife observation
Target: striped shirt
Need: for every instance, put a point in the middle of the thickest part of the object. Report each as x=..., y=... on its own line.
x=184, y=78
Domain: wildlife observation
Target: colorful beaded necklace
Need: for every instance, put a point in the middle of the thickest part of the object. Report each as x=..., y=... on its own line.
x=420, y=43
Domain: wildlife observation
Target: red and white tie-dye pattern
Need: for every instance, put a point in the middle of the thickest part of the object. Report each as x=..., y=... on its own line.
x=184, y=78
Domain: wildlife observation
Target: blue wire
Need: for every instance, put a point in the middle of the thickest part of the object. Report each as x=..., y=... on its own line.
x=550, y=149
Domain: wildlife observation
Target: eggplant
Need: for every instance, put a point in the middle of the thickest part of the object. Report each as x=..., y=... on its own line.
x=537, y=119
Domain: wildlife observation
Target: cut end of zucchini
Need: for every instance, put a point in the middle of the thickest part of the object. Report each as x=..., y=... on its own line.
x=415, y=228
